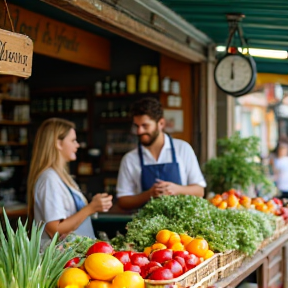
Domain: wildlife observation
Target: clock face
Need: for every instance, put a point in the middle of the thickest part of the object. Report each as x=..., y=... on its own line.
x=234, y=73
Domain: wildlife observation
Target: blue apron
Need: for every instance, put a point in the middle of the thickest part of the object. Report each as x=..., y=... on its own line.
x=166, y=171
x=79, y=203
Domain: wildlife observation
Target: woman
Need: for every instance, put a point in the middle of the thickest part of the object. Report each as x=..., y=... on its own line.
x=280, y=167
x=53, y=196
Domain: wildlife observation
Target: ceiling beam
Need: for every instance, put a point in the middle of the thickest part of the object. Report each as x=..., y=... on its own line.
x=109, y=18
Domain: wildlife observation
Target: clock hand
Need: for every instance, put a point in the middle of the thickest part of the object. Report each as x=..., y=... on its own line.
x=232, y=71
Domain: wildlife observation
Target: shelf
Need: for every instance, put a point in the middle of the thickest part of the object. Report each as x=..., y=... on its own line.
x=114, y=120
x=11, y=122
x=12, y=143
x=8, y=98
x=18, y=163
x=44, y=114
x=126, y=95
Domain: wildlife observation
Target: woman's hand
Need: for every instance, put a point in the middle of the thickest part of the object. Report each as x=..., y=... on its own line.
x=101, y=202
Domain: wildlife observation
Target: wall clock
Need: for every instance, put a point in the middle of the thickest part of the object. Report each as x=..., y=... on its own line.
x=235, y=74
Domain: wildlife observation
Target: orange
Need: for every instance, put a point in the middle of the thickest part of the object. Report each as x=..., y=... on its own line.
x=102, y=266
x=185, y=239
x=216, y=200
x=128, y=279
x=147, y=251
x=208, y=254
x=178, y=246
x=163, y=236
x=232, y=201
x=245, y=201
x=222, y=205
x=73, y=276
x=158, y=246
x=198, y=246
x=99, y=284
x=174, y=238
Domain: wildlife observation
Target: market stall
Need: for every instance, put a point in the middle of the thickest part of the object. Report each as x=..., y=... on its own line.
x=206, y=246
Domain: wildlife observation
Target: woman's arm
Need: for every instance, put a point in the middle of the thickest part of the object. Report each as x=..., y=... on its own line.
x=100, y=203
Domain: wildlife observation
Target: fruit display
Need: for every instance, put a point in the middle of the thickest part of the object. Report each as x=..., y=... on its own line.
x=224, y=230
x=236, y=200
x=164, y=260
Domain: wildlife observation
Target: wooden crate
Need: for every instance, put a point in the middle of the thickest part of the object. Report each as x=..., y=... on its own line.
x=228, y=262
x=202, y=276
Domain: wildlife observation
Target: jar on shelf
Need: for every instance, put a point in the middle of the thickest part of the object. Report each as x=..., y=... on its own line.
x=131, y=83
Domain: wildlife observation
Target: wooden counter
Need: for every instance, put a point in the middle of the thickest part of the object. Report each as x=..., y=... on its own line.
x=270, y=263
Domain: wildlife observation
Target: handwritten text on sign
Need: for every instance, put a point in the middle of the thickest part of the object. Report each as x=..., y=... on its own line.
x=59, y=40
x=16, y=53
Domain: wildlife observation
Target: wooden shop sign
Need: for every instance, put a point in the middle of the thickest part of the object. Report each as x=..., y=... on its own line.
x=59, y=40
x=16, y=51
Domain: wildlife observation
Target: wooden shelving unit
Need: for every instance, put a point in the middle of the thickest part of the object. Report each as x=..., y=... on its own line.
x=16, y=163
x=14, y=123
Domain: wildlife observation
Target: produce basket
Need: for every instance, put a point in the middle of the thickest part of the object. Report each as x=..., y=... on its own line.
x=280, y=225
x=204, y=275
x=228, y=262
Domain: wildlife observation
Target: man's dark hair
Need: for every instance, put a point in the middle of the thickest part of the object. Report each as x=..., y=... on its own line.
x=148, y=106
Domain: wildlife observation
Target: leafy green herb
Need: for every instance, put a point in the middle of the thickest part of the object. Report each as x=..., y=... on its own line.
x=223, y=229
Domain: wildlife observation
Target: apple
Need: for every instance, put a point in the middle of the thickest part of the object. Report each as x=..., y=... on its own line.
x=162, y=255
x=147, y=269
x=139, y=259
x=100, y=247
x=175, y=267
x=192, y=261
x=181, y=261
x=122, y=256
x=72, y=262
x=161, y=273
x=182, y=254
x=130, y=267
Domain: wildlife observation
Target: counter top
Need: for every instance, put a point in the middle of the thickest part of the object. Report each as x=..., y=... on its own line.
x=16, y=210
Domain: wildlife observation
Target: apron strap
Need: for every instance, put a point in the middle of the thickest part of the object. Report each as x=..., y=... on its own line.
x=172, y=149
x=140, y=154
x=77, y=200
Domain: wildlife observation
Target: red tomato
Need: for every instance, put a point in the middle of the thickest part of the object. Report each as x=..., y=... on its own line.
x=182, y=254
x=162, y=255
x=192, y=261
x=100, y=247
x=175, y=267
x=72, y=262
x=139, y=259
x=122, y=256
x=161, y=273
x=181, y=261
x=130, y=267
x=147, y=269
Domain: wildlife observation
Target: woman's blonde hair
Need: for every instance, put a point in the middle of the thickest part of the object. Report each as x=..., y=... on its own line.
x=46, y=155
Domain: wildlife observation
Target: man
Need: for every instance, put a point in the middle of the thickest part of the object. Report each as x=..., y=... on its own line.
x=160, y=165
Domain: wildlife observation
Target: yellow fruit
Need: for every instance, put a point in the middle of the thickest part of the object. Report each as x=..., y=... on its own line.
x=73, y=277
x=147, y=251
x=157, y=245
x=163, y=236
x=99, y=284
x=128, y=279
x=198, y=246
x=177, y=247
x=208, y=254
x=102, y=266
x=174, y=238
x=185, y=239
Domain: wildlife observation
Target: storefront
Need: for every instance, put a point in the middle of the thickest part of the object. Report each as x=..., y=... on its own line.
x=74, y=56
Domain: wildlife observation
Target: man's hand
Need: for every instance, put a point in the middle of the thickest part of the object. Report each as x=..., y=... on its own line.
x=167, y=188
x=155, y=192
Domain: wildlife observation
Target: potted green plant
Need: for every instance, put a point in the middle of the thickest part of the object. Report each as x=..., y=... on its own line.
x=237, y=166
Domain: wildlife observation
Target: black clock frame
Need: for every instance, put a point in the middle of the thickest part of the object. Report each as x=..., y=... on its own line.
x=252, y=81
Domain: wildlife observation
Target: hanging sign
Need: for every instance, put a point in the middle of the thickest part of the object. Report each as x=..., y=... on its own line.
x=16, y=51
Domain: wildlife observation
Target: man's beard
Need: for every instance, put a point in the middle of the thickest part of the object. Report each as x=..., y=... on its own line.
x=152, y=139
